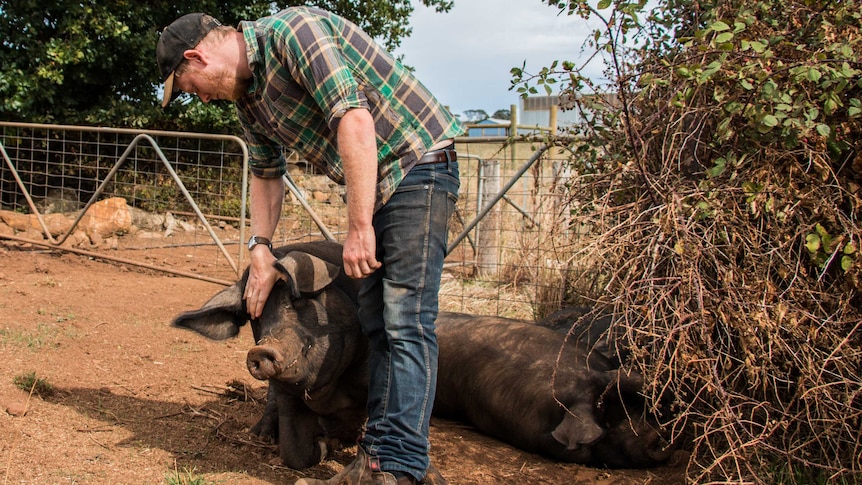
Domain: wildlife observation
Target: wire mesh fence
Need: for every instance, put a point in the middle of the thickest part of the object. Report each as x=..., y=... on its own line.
x=160, y=199
x=178, y=202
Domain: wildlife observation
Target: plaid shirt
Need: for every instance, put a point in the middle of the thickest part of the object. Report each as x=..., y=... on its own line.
x=311, y=66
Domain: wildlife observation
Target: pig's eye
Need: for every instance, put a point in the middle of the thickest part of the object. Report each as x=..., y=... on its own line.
x=308, y=345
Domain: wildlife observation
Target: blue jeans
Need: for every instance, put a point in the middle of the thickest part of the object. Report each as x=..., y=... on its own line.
x=397, y=310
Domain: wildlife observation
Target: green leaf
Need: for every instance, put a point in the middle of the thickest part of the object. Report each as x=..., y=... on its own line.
x=813, y=74
x=718, y=168
x=846, y=263
x=719, y=26
x=723, y=37
x=823, y=130
x=733, y=107
x=830, y=105
x=770, y=121
x=603, y=4
x=812, y=243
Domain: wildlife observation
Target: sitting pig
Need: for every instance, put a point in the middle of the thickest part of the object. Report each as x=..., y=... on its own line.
x=516, y=381
x=310, y=347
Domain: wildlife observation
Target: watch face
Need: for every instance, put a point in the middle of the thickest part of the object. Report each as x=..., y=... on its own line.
x=255, y=240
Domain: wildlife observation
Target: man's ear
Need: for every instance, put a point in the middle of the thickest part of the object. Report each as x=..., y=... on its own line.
x=195, y=55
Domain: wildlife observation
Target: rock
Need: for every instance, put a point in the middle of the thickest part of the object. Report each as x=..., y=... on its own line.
x=57, y=224
x=34, y=234
x=16, y=408
x=170, y=224
x=106, y=218
x=58, y=201
x=76, y=240
x=146, y=220
x=19, y=222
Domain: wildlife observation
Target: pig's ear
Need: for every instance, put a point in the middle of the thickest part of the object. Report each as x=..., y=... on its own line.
x=219, y=318
x=307, y=274
x=578, y=427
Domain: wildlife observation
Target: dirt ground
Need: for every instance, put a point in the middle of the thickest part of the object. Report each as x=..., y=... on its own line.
x=127, y=399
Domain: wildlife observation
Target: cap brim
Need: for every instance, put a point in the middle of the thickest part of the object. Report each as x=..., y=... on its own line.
x=169, y=94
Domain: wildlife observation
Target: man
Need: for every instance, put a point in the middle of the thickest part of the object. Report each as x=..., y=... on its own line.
x=307, y=80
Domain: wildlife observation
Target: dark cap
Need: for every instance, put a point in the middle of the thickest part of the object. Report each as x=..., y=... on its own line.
x=183, y=34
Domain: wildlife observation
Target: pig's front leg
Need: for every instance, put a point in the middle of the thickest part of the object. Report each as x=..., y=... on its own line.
x=267, y=427
x=302, y=443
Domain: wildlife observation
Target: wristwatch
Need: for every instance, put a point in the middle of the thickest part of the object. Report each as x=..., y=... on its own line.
x=255, y=240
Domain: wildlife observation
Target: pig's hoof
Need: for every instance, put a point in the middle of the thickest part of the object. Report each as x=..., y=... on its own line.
x=266, y=430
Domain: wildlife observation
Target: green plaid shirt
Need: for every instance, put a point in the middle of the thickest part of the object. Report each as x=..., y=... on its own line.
x=310, y=67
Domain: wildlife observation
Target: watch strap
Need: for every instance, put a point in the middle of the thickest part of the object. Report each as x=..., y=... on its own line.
x=255, y=240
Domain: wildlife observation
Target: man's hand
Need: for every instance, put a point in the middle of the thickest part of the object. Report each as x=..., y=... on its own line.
x=262, y=276
x=360, y=253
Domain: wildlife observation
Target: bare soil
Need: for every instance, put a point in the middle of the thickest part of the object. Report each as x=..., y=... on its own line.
x=127, y=399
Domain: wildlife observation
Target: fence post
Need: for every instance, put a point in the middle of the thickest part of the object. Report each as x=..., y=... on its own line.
x=552, y=119
x=513, y=131
x=488, y=230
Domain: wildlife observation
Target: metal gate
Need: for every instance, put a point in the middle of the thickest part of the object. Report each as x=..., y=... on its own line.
x=163, y=200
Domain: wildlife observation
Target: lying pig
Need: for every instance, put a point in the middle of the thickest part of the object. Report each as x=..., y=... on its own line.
x=592, y=330
x=309, y=346
x=504, y=377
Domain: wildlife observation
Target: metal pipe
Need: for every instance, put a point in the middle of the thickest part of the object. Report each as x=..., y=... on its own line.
x=542, y=149
x=118, y=260
x=291, y=185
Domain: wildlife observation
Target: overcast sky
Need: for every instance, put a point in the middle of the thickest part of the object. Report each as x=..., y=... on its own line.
x=464, y=56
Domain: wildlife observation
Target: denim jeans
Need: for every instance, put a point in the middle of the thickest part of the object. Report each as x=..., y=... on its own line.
x=397, y=311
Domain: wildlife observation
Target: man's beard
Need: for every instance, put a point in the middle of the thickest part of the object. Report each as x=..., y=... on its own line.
x=228, y=86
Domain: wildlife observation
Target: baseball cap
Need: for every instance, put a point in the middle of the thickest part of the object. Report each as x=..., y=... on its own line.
x=183, y=34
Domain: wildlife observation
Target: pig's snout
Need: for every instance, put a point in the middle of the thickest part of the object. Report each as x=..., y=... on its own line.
x=264, y=362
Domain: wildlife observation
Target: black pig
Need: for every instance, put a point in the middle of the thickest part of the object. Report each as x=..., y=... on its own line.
x=516, y=381
x=309, y=346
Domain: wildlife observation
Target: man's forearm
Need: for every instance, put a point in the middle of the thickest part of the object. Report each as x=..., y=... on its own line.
x=267, y=195
x=357, y=146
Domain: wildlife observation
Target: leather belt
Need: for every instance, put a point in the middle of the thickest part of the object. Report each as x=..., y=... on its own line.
x=447, y=154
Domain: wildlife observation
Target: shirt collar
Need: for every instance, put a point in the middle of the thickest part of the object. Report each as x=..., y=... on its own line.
x=252, y=51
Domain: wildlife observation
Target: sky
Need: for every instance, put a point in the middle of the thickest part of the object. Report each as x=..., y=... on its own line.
x=465, y=56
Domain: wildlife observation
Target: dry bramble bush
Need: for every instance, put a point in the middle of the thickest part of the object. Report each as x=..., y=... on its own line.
x=723, y=185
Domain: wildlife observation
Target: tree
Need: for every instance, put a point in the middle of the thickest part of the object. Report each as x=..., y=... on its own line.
x=90, y=62
x=475, y=115
x=502, y=114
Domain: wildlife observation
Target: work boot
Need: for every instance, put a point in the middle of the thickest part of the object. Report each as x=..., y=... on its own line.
x=359, y=472
x=433, y=477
